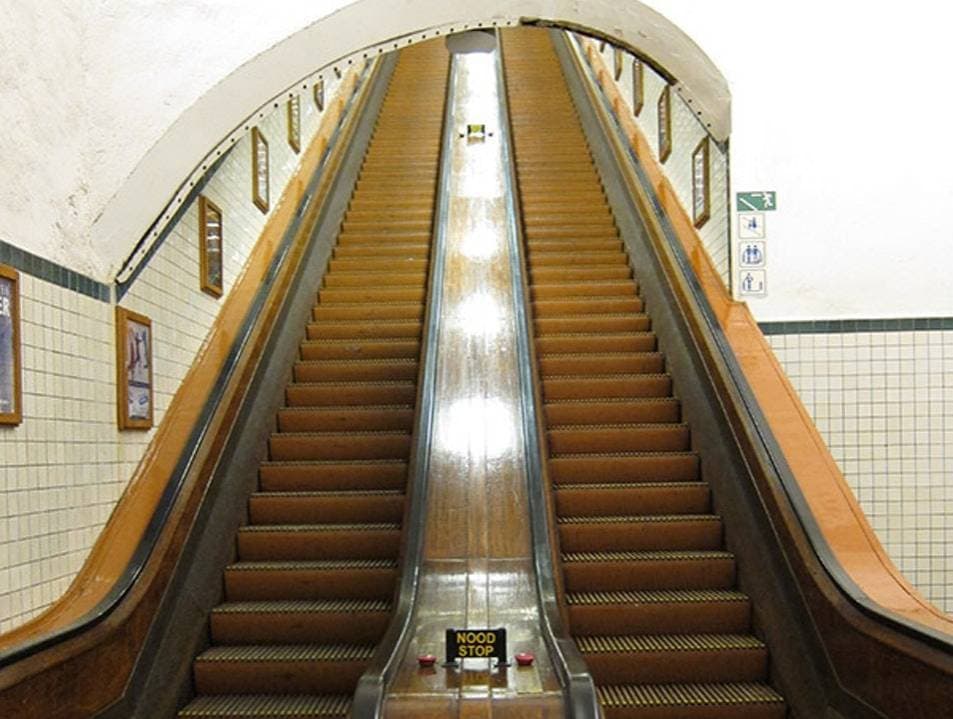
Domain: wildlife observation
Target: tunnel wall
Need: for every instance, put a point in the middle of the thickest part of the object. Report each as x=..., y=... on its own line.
x=687, y=132
x=66, y=465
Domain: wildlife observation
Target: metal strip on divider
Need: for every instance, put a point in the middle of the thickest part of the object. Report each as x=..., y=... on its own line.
x=762, y=430
x=144, y=549
x=573, y=673
x=369, y=696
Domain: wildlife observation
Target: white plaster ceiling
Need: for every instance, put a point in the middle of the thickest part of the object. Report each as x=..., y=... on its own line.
x=112, y=108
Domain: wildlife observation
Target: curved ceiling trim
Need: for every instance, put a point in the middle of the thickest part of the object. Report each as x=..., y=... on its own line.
x=155, y=189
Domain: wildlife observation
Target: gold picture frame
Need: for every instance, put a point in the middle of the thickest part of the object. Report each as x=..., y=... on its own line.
x=135, y=395
x=319, y=95
x=701, y=183
x=211, y=249
x=665, y=123
x=617, y=60
x=11, y=369
x=260, y=170
x=638, y=86
x=294, y=123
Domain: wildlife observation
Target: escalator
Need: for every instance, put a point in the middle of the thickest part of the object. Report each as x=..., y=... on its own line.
x=651, y=591
x=310, y=594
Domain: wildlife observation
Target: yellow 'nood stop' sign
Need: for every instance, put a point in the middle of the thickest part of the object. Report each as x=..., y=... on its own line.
x=476, y=644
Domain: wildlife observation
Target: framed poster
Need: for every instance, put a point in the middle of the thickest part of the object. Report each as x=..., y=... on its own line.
x=134, y=369
x=701, y=183
x=11, y=396
x=319, y=95
x=294, y=123
x=210, y=247
x=665, y=124
x=617, y=58
x=638, y=86
x=259, y=170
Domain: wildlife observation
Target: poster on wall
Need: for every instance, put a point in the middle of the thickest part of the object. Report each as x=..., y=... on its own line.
x=664, y=115
x=260, y=190
x=10, y=396
x=210, y=247
x=134, y=365
x=701, y=183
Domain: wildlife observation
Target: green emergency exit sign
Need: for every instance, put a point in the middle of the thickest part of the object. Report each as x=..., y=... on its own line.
x=757, y=201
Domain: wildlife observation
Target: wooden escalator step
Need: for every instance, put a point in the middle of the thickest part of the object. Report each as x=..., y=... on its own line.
x=354, y=506
x=735, y=700
x=268, y=706
x=358, y=621
x=321, y=579
x=664, y=569
x=281, y=668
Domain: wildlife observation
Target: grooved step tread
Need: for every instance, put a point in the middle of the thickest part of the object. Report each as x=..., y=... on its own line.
x=328, y=494
x=287, y=653
x=660, y=596
x=656, y=556
x=640, y=519
x=687, y=695
x=267, y=706
x=596, y=486
x=667, y=643
x=301, y=528
x=303, y=606
x=305, y=565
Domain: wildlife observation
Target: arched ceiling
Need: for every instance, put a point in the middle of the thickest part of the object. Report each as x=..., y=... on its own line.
x=153, y=178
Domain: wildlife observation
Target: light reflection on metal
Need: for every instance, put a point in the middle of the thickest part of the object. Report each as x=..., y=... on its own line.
x=482, y=426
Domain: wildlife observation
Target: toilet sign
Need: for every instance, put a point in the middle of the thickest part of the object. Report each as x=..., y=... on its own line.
x=476, y=644
x=752, y=254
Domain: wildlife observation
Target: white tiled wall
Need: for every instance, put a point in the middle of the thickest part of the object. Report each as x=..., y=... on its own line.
x=63, y=469
x=883, y=402
x=687, y=132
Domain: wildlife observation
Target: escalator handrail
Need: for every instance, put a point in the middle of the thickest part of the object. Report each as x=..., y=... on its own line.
x=754, y=417
x=371, y=688
x=582, y=702
x=187, y=461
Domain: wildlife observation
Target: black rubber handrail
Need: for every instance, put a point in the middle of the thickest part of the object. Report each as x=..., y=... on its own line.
x=578, y=686
x=371, y=688
x=768, y=443
x=187, y=460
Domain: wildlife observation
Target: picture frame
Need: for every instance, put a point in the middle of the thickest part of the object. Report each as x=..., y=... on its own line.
x=260, y=170
x=211, y=257
x=294, y=123
x=665, y=124
x=135, y=396
x=11, y=368
x=618, y=57
x=638, y=86
x=701, y=183
x=319, y=95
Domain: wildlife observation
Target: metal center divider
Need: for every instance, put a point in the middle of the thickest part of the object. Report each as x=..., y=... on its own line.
x=371, y=689
x=579, y=688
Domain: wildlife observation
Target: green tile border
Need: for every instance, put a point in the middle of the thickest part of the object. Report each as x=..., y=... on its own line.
x=44, y=269
x=826, y=327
